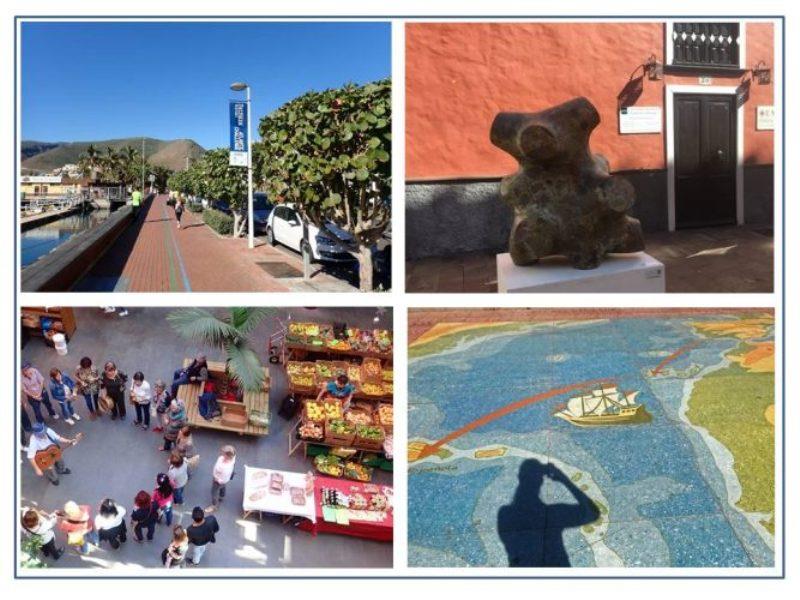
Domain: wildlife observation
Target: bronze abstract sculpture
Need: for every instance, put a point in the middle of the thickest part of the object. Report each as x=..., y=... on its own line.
x=565, y=200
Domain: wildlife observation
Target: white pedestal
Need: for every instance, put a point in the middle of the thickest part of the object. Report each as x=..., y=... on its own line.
x=625, y=273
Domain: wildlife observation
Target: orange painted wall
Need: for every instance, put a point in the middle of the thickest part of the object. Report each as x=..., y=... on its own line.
x=460, y=75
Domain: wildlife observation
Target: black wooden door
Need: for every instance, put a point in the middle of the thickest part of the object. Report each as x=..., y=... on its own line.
x=705, y=160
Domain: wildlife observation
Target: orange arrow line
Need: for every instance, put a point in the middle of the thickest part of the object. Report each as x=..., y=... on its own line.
x=674, y=355
x=501, y=412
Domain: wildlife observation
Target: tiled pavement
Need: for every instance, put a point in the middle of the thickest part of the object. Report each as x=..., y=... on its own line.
x=663, y=494
x=153, y=255
x=116, y=459
x=717, y=260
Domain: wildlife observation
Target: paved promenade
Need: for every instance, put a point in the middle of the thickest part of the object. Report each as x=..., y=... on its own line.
x=153, y=255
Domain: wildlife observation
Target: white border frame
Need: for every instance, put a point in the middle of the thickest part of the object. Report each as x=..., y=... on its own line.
x=668, y=51
x=669, y=97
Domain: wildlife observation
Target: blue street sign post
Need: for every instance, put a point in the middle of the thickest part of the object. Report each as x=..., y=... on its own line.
x=238, y=134
x=241, y=148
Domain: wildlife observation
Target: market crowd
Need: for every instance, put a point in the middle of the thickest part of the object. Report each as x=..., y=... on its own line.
x=104, y=395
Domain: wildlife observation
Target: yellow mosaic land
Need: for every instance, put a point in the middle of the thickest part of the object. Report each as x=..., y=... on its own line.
x=743, y=329
x=759, y=358
x=442, y=329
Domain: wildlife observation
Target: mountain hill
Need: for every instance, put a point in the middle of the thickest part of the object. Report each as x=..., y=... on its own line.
x=166, y=153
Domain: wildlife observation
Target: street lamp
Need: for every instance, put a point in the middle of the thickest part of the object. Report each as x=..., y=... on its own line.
x=239, y=86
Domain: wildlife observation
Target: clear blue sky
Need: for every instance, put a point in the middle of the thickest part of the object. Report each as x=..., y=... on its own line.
x=95, y=81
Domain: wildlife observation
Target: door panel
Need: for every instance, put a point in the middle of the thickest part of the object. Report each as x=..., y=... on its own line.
x=705, y=160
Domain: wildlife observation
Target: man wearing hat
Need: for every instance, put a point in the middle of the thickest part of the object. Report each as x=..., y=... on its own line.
x=42, y=437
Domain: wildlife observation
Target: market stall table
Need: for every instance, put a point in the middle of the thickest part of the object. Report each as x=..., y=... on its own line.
x=372, y=525
x=259, y=498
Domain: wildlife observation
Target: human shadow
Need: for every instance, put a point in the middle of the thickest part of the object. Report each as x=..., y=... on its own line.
x=532, y=530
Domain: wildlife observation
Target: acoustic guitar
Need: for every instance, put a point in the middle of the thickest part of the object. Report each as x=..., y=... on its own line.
x=47, y=457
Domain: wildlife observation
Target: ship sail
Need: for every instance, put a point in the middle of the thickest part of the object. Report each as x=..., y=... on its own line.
x=605, y=405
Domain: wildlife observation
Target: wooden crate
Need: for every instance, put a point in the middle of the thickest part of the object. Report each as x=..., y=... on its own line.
x=369, y=444
x=190, y=393
x=338, y=439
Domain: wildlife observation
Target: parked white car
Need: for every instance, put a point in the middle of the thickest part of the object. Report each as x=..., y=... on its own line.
x=285, y=226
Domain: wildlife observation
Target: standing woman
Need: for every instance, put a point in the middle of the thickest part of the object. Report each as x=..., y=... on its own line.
x=41, y=526
x=140, y=397
x=162, y=399
x=176, y=419
x=178, y=209
x=76, y=522
x=178, y=473
x=163, y=497
x=62, y=389
x=174, y=554
x=144, y=516
x=185, y=447
x=110, y=523
x=113, y=383
x=87, y=383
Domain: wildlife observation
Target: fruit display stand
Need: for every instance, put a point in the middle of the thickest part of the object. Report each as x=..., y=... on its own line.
x=261, y=496
x=362, y=522
x=296, y=441
x=236, y=416
x=299, y=375
x=303, y=340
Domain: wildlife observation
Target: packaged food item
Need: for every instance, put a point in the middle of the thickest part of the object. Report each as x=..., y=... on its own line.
x=378, y=502
x=358, y=502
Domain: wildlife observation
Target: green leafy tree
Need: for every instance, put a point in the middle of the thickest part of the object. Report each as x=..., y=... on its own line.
x=228, y=333
x=328, y=153
x=90, y=164
x=220, y=181
x=162, y=175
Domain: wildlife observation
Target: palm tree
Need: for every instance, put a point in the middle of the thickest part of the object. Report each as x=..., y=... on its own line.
x=89, y=162
x=229, y=334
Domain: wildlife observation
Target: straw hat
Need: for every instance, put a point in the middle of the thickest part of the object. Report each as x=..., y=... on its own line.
x=73, y=511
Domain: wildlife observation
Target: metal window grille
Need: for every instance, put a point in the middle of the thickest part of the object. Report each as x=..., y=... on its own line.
x=705, y=45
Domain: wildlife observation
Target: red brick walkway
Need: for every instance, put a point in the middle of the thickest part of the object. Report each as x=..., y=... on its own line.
x=153, y=255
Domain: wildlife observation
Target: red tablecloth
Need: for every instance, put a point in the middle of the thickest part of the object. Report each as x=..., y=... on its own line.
x=372, y=530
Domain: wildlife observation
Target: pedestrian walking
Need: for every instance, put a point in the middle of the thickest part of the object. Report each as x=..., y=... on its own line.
x=176, y=419
x=41, y=526
x=62, y=389
x=222, y=475
x=136, y=203
x=178, y=473
x=178, y=210
x=196, y=372
x=173, y=555
x=33, y=386
x=140, y=398
x=144, y=516
x=44, y=441
x=162, y=399
x=76, y=522
x=110, y=523
x=163, y=497
x=184, y=444
x=113, y=384
x=87, y=383
x=201, y=532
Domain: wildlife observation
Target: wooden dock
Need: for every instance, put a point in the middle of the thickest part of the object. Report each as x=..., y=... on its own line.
x=258, y=401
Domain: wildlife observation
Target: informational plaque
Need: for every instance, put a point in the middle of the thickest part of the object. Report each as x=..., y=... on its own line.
x=640, y=119
x=765, y=118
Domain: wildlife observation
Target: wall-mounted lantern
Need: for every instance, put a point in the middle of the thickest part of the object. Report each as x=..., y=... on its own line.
x=762, y=73
x=654, y=69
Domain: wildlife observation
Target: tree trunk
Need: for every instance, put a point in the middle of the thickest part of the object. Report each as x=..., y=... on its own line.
x=238, y=224
x=365, y=268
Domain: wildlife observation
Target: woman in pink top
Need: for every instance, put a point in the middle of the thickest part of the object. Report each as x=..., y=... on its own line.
x=76, y=522
x=163, y=497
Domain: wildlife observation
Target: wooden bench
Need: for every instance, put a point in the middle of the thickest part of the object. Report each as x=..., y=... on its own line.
x=190, y=394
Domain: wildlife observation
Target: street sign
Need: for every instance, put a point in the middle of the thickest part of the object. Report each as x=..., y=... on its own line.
x=238, y=134
x=152, y=178
x=765, y=118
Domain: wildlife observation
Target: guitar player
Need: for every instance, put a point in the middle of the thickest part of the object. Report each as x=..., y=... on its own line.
x=42, y=438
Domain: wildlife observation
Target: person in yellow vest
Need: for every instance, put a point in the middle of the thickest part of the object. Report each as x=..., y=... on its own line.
x=136, y=202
